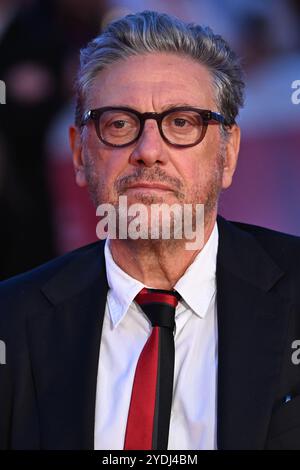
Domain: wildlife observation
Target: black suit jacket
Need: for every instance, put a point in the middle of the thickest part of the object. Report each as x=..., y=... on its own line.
x=51, y=321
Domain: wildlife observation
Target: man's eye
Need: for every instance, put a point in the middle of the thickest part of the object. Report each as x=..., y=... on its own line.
x=118, y=124
x=180, y=122
x=183, y=121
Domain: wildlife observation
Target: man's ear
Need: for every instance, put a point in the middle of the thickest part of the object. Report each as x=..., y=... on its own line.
x=78, y=162
x=231, y=151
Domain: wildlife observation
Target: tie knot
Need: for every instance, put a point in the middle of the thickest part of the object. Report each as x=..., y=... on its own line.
x=159, y=306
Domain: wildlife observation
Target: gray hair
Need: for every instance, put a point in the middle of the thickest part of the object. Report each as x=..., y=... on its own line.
x=150, y=32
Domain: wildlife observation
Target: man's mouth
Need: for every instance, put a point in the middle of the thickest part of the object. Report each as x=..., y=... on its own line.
x=148, y=187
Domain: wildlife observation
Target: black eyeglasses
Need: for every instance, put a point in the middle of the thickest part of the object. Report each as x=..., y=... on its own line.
x=182, y=127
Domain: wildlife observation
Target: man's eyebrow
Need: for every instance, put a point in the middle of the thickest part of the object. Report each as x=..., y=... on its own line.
x=177, y=105
x=163, y=108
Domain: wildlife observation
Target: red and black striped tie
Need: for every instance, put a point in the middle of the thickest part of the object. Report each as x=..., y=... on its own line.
x=151, y=399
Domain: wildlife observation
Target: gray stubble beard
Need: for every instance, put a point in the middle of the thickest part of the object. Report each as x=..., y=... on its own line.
x=99, y=194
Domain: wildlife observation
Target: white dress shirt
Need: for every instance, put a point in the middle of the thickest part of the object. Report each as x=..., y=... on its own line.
x=125, y=332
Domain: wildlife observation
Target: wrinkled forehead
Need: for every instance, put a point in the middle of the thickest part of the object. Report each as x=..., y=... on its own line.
x=152, y=82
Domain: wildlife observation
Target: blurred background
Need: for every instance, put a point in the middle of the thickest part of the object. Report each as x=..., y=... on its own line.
x=43, y=212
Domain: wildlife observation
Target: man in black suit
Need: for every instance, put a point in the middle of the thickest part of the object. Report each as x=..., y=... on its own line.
x=74, y=329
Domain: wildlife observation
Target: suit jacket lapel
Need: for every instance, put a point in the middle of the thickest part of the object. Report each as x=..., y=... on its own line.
x=252, y=325
x=64, y=344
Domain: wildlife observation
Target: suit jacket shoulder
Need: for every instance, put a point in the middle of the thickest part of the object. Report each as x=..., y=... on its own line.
x=257, y=242
x=19, y=289
x=282, y=246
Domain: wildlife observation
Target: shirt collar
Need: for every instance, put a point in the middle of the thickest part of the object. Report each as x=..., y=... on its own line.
x=122, y=287
x=196, y=287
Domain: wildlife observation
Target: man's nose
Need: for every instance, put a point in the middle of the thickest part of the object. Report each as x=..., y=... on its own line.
x=150, y=148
